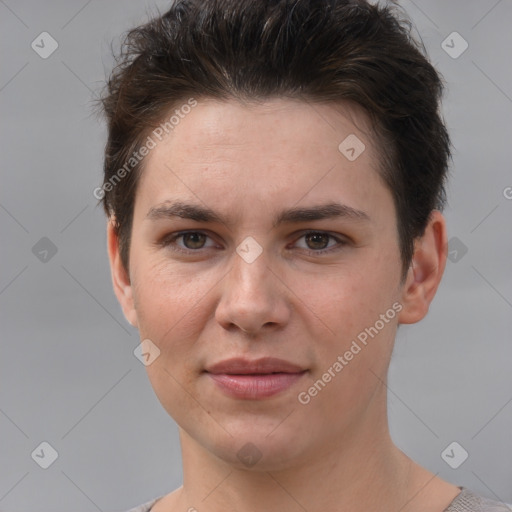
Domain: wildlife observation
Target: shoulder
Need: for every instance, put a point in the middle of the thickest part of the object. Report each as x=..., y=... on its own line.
x=468, y=501
x=145, y=507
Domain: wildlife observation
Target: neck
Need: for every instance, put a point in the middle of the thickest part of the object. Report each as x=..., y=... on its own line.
x=361, y=470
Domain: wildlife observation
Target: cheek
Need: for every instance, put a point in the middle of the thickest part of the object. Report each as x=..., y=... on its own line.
x=163, y=293
x=352, y=299
x=171, y=310
x=171, y=313
x=350, y=306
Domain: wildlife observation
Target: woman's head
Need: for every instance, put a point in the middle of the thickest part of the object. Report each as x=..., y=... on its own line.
x=287, y=159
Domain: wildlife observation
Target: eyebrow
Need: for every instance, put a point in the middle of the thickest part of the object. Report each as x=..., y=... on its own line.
x=170, y=209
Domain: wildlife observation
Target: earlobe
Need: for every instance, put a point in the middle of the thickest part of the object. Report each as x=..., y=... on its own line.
x=120, y=277
x=426, y=270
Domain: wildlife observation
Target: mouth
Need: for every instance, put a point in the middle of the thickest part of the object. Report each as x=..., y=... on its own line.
x=254, y=380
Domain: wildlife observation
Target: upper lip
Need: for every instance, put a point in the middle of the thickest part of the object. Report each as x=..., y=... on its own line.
x=241, y=366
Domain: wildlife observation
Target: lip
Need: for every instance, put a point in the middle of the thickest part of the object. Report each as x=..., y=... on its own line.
x=254, y=380
x=241, y=366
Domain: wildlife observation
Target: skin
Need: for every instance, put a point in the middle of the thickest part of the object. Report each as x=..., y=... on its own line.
x=247, y=163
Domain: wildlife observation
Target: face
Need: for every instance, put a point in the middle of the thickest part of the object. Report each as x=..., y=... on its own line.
x=256, y=236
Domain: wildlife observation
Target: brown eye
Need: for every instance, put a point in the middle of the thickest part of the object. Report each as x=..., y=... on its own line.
x=188, y=242
x=194, y=240
x=317, y=241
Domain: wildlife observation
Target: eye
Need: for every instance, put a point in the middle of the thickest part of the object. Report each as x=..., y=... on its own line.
x=319, y=242
x=191, y=241
x=194, y=240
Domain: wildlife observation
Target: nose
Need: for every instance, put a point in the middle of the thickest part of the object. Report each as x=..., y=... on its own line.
x=253, y=299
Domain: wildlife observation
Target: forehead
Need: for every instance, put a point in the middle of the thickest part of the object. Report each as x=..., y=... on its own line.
x=279, y=149
x=296, y=124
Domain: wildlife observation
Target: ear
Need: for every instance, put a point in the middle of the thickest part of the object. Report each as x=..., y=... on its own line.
x=120, y=277
x=426, y=270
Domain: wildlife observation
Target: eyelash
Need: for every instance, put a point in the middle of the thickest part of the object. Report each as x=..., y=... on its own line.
x=170, y=242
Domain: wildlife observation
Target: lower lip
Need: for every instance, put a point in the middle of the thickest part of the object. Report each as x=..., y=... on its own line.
x=254, y=387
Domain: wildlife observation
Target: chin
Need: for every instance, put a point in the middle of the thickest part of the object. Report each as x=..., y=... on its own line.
x=266, y=448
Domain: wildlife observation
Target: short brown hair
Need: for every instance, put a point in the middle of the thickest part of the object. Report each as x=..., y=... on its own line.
x=314, y=50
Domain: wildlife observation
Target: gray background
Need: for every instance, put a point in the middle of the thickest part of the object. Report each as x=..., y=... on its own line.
x=68, y=373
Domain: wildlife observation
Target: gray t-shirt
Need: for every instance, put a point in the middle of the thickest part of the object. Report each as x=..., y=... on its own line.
x=465, y=501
